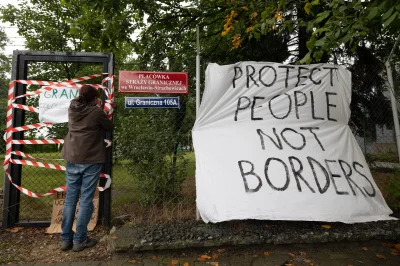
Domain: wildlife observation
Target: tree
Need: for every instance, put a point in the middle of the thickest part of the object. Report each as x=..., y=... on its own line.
x=68, y=26
x=321, y=26
x=4, y=81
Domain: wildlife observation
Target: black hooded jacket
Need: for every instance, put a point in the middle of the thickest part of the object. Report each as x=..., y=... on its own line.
x=84, y=142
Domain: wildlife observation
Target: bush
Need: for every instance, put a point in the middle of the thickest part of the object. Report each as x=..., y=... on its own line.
x=393, y=191
x=148, y=140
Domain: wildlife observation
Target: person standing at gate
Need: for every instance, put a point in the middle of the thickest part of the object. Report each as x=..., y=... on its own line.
x=85, y=152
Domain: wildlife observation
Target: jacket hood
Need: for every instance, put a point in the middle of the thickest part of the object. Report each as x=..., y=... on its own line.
x=80, y=110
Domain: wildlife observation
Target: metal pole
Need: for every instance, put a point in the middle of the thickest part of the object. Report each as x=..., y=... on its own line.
x=197, y=72
x=197, y=85
x=394, y=106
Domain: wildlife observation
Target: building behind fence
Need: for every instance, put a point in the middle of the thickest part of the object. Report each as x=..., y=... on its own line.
x=157, y=143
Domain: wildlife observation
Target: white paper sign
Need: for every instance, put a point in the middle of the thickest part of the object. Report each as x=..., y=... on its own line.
x=272, y=142
x=53, y=105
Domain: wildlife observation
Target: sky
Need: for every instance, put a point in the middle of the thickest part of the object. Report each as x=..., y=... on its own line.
x=16, y=41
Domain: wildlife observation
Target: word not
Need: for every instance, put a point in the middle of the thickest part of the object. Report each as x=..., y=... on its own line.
x=259, y=78
x=292, y=100
x=349, y=171
x=296, y=146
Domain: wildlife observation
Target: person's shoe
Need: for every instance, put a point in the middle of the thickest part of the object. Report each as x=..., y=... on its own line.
x=66, y=245
x=88, y=243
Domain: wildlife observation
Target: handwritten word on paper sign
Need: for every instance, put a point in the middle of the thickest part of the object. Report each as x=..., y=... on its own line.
x=272, y=142
x=153, y=82
x=53, y=105
x=151, y=102
x=57, y=213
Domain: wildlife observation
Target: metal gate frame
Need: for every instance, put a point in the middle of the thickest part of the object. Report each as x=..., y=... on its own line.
x=20, y=61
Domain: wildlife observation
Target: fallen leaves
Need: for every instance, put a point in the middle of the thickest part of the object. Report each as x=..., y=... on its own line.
x=266, y=254
x=303, y=253
x=114, y=237
x=307, y=261
x=15, y=229
x=133, y=261
x=204, y=257
x=221, y=250
x=395, y=248
x=380, y=256
x=186, y=264
x=174, y=262
x=395, y=252
x=365, y=248
x=326, y=226
x=154, y=258
x=292, y=255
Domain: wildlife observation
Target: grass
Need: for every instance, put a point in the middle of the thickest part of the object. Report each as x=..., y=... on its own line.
x=383, y=157
x=125, y=197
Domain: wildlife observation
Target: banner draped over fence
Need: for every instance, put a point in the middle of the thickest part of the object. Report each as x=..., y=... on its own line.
x=272, y=142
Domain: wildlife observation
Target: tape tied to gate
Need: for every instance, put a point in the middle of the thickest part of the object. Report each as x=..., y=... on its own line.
x=48, y=86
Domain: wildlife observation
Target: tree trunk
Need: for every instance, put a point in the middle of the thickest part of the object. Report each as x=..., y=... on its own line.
x=302, y=33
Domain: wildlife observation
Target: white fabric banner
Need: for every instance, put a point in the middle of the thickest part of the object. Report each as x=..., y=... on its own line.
x=54, y=104
x=272, y=142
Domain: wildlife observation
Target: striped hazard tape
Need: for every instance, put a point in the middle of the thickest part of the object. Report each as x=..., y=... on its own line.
x=38, y=164
x=47, y=86
x=64, y=85
x=37, y=141
x=33, y=126
x=26, y=108
x=20, y=153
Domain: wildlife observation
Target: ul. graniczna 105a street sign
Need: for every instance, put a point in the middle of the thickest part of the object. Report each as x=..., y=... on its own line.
x=152, y=102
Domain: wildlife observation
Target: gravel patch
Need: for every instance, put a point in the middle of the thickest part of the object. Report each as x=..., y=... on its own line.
x=193, y=234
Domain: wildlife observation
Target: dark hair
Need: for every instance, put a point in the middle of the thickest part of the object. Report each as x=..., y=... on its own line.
x=88, y=94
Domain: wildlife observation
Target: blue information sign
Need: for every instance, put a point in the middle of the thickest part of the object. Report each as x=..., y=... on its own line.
x=151, y=102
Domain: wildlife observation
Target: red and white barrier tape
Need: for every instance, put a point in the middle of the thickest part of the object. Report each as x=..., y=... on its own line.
x=49, y=85
x=33, y=126
x=20, y=153
x=49, y=88
x=26, y=108
x=37, y=141
x=38, y=164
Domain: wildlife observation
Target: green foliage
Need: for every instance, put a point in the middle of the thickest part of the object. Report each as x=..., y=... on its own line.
x=325, y=25
x=4, y=81
x=148, y=139
x=73, y=25
x=393, y=190
x=382, y=157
